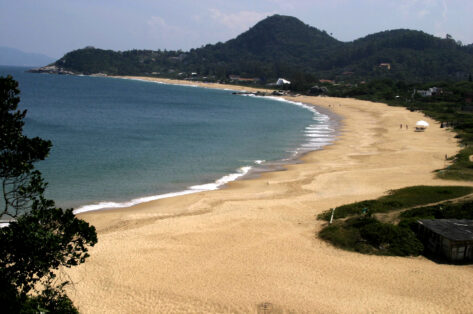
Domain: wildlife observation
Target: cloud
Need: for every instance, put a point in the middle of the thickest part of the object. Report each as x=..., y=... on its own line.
x=440, y=24
x=239, y=21
x=168, y=35
x=419, y=7
x=158, y=23
x=423, y=13
x=444, y=11
x=158, y=26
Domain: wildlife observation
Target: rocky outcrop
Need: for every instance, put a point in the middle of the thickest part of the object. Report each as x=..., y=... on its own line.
x=52, y=69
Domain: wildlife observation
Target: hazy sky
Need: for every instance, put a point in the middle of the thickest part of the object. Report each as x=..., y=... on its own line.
x=54, y=27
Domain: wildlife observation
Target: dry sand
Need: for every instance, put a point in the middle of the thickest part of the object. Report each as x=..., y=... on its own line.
x=252, y=247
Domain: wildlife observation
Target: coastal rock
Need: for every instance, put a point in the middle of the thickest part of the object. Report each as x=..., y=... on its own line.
x=52, y=69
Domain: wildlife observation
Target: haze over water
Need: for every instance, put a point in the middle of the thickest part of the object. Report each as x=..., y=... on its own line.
x=119, y=140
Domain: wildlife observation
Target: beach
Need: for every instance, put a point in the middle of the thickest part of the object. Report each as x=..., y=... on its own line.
x=252, y=247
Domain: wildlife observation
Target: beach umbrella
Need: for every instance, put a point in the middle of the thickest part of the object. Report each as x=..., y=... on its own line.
x=422, y=123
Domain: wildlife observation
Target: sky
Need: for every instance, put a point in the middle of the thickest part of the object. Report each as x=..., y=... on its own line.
x=55, y=27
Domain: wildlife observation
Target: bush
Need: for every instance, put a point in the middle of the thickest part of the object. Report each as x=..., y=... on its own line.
x=369, y=236
x=392, y=240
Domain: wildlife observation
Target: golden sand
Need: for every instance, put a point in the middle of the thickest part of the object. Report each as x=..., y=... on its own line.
x=252, y=246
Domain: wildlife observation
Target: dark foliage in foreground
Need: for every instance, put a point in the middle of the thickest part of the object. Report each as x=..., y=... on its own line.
x=40, y=237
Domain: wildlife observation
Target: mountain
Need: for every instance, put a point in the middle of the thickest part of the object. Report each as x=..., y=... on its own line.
x=283, y=46
x=409, y=53
x=280, y=37
x=12, y=56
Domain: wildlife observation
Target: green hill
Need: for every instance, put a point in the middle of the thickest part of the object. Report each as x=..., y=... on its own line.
x=283, y=46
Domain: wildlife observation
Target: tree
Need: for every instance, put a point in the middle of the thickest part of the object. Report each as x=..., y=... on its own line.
x=40, y=237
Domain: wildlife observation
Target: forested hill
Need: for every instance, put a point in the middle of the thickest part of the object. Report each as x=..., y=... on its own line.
x=283, y=46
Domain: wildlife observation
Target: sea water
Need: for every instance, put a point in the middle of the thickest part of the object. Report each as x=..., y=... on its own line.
x=120, y=142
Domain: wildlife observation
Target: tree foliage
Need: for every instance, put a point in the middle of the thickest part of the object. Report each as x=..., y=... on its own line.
x=40, y=237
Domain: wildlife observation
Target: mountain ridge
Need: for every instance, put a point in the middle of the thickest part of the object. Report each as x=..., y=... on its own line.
x=285, y=46
x=16, y=57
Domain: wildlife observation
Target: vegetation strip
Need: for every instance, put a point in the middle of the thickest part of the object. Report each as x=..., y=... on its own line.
x=399, y=199
x=363, y=233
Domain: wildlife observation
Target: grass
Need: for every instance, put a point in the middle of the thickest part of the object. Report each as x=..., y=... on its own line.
x=369, y=236
x=362, y=233
x=450, y=210
x=399, y=199
x=462, y=167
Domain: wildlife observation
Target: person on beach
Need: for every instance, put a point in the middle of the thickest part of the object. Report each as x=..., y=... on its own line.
x=400, y=126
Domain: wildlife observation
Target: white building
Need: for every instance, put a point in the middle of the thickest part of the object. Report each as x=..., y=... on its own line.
x=282, y=81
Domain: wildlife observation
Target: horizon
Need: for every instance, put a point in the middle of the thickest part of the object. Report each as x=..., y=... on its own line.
x=54, y=27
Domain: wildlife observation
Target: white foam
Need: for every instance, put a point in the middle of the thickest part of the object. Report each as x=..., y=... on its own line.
x=222, y=181
x=318, y=135
x=191, y=190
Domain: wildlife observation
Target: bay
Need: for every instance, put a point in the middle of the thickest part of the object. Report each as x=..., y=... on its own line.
x=117, y=140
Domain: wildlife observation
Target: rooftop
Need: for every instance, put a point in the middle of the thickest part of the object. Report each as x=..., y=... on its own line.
x=453, y=229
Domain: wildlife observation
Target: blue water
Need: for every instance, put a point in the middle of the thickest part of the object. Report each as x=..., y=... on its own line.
x=117, y=140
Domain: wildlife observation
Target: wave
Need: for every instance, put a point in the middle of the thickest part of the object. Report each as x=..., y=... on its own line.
x=191, y=190
x=317, y=136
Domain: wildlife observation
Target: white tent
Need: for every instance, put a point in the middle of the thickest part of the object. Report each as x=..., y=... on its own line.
x=421, y=125
x=282, y=81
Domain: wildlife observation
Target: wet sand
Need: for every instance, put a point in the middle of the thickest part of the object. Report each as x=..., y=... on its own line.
x=253, y=246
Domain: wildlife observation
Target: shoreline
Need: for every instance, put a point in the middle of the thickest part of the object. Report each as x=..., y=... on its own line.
x=254, y=242
x=244, y=172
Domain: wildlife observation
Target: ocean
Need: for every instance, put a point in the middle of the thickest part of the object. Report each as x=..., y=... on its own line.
x=120, y=142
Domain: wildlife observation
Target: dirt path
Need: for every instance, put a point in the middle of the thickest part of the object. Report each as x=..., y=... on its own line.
x=393, y=216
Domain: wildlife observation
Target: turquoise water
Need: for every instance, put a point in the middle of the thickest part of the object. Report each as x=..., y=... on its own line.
x=116, y=141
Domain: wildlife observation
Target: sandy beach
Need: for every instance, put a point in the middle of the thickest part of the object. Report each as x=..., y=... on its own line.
x=252, y=247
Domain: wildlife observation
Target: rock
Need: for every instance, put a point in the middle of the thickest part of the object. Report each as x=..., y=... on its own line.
x=51, y=69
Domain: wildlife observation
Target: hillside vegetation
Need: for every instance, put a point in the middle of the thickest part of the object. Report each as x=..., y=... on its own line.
x=283, y=46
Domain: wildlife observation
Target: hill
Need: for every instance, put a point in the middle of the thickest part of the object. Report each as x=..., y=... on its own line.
x=12, y=56
x=283, y=46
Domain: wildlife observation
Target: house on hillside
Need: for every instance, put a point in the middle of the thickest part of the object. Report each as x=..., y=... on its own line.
x=424, y=93
x=449, y=238
x=282, y=82
x=237, y=78
x=386, y=66
x=430, y=92
x=317, y=90
x=326, y=81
